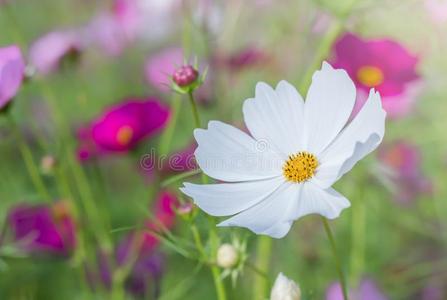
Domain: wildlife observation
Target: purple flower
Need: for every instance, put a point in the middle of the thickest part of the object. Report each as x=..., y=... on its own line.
x=122, y=127
x=48, y=52
x=382, y=64
x=367, y=290
x=404, y=161
x=12, y=68
x=43, y=228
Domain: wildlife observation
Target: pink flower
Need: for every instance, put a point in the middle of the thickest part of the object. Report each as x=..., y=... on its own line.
x=245, y=58
x=43, y=228
x=121, y=127
x=12, y=67
x=437, y=10
x=107, y=34
x=48, y=52
x=367, y=290
x=381, y=64
x=160, y=67
x=404, y=161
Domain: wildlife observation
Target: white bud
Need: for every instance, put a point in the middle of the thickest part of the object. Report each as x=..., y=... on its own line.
x=285, y=289
x=227, y=256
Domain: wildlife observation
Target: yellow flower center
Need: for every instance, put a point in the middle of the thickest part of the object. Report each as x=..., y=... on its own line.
x=300, y=167
x=124, y=135
x=370, y=76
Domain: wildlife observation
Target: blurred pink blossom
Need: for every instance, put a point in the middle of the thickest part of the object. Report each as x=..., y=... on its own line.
x=47, y=53
x=106, y=33
x=382, y=64
x=160, y=67
x=12, y=67
x=437, y=10
x=404, y=161
x=367, y=290
x=245, y=58
x=121, y=127
x=43, y=228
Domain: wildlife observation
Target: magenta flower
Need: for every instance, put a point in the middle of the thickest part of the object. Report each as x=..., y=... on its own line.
x=43, y=228
x=122, y=127
x=49, y=51
x=12, y=67
x=160, y=67
x=381, y=64
x=404, y=161
x=367, y=290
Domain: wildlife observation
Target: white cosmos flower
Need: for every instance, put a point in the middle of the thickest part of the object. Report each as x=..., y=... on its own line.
x=297, y=150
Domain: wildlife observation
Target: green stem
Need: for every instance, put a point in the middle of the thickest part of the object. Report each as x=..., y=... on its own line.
x=28, y=159
x=321, y=53
x=166, y=138
x=341, y=276
x=325, y=46
x=358, y=241
x=175, y=178
x=214, y=239
x=198, y=241
x=215, y=271
x=263, y=254
x=195, y=111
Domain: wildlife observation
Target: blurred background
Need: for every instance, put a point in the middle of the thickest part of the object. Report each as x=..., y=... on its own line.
x=95, y=143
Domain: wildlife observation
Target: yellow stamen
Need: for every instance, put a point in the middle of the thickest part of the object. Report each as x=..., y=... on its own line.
x=300, y=167
x=124, y=135
x=370, y=76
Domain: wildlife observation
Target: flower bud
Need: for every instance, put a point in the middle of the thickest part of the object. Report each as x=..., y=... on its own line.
x=285, y=289
x=227, y=256
x=185, y=76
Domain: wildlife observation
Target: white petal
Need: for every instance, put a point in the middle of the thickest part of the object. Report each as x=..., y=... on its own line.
x=271, y=215
x=314, y=200
x=229, y=154
x=358, y=139
x=329, y=104
x=276, y=117
x=230, y=198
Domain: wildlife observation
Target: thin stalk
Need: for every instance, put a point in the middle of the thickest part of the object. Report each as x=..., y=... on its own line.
x=166, y=138
x=321, y=53
x=198, y=241
x=176, y=178
x=214, y=242
x=358, y=241
x=325, y=46
x=263, y=254
x=28, y=159
x=195, y=111
x=341, y=276
x=214, y=239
